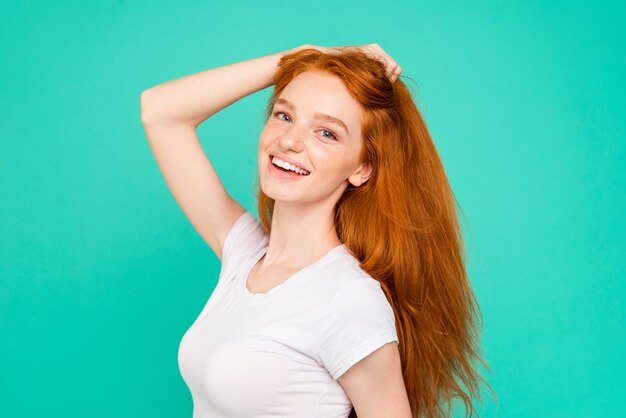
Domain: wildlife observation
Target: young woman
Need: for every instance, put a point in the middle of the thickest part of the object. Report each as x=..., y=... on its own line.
x=349, y=295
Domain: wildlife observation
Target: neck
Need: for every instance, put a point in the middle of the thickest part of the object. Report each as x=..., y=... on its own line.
x=300, y=234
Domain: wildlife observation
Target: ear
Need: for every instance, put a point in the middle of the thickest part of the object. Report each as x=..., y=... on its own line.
x=361, y=175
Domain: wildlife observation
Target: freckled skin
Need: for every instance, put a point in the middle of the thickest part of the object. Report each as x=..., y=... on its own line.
x=332, y=163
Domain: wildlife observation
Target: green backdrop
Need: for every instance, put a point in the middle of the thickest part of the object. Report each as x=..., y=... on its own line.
x=101, y=273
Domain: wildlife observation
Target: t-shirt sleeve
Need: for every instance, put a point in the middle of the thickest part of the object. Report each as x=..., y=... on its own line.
x=359, y=320
x=245, y=237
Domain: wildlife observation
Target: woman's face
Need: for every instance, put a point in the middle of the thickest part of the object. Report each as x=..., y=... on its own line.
x=315, y=125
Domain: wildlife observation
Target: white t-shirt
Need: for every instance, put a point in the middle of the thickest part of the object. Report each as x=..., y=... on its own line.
x=278, y=354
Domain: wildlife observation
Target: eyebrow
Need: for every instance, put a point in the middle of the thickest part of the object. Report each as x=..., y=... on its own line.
x=324, y=116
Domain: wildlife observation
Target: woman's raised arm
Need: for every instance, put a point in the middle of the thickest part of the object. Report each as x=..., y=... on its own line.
x=194, y=98
x=171, y=112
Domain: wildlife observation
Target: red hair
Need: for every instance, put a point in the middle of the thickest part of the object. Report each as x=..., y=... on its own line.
x=402, y=226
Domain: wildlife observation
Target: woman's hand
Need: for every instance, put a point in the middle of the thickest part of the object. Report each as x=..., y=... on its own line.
x=393, y=68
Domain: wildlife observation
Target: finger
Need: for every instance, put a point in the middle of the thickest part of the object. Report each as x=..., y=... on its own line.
x=391, y=66
x=384, y=53
x=394, y=71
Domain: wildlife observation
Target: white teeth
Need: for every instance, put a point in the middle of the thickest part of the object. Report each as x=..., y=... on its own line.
x=288, y=166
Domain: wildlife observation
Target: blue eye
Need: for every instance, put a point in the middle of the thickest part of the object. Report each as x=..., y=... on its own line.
x=332, y=135
x=280, y=113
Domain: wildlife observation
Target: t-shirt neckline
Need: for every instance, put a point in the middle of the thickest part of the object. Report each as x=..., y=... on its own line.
x=289, y=281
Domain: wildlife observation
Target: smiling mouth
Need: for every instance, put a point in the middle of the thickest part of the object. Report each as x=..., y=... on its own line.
x=306, y=172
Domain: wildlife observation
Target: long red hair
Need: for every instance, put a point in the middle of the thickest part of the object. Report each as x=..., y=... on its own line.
x=402, y=226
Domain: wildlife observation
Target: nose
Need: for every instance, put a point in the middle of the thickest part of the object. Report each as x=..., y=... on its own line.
x=293, y=138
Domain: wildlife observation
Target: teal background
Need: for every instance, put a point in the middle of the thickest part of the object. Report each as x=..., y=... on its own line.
x=101, y=273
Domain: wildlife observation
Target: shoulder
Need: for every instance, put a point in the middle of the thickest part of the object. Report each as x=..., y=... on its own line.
x=358, y=319
x=358, y=293
x=347, y=276
x=353, y=331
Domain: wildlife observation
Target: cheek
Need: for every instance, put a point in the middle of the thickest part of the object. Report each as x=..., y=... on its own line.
x=267, y=134
x=341, y=166
x=327, y=165
x=264, y=138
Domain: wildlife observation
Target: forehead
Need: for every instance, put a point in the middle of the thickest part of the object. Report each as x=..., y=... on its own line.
x=318, y=92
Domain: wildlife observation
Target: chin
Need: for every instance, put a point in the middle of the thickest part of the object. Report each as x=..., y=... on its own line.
x=268, y=190
x=277, y=195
